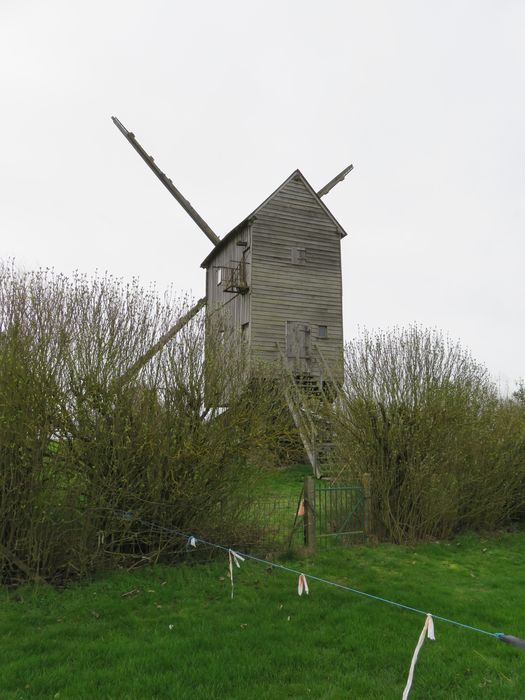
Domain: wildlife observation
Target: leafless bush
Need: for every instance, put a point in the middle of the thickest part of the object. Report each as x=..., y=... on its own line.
x=78, y=445
x=422, y=417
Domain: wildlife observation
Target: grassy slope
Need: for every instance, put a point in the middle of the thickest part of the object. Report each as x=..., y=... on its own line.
x=182, y=636
x=285, y=483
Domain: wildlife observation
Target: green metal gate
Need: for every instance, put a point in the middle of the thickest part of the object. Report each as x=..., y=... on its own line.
x=341, y=514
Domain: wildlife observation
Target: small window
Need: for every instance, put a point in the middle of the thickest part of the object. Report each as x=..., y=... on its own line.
x=244, y=327
x=322, y=332
x=219, y=275
x=298, y=256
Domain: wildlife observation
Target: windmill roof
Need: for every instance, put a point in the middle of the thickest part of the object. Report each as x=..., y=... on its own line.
x=296, y=173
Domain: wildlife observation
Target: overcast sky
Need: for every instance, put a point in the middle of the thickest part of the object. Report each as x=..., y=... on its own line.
x=427, y=99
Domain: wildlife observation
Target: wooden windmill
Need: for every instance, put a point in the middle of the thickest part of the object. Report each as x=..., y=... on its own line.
x=276, y=280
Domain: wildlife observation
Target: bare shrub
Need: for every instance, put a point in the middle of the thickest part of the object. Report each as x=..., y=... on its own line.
x=79, y=446
x=424, y=419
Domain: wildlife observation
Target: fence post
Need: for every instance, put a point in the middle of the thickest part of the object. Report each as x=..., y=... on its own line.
x=367, y=505
x=309, y=513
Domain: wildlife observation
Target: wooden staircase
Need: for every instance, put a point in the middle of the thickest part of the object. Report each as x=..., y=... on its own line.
x=307, y=395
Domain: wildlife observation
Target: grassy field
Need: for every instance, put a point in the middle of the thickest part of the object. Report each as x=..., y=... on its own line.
x=174, y=632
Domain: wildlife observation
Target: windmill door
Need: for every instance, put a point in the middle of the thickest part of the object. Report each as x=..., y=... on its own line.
x=298, y=345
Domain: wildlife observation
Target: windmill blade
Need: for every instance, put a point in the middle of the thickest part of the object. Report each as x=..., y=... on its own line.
x=338, y=178
x=168, y=184
x=160, y=344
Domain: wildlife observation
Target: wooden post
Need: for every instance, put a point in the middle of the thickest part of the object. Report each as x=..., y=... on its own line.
x=367, y=505
x=309, y=513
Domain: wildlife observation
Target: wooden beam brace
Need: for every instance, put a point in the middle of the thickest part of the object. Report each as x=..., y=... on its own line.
x=338, y=178
x=163, y=340
x=168, y=184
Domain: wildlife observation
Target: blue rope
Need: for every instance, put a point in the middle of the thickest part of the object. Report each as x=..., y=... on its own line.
x=173, y=531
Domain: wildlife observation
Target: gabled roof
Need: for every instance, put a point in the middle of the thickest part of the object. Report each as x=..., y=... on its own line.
x=231, y=234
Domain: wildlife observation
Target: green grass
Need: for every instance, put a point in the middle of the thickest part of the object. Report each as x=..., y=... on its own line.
x=181, y=636
x=285, y=482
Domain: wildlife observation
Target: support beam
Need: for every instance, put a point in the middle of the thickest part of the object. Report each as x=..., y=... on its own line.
x=168, y=184
x=163, y=340
x=338, y=178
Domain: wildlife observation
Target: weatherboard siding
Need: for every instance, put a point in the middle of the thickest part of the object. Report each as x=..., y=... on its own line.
x=281, y=291
x=235, y=308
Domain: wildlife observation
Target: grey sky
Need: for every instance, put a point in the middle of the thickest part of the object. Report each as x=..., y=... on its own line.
x=427, y=99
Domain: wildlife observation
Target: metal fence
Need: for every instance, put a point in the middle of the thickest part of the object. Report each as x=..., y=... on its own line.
x=322, y=515
x=274, y=524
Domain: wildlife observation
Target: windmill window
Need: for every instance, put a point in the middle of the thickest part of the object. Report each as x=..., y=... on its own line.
x=220, y=275
x=298, y=256
x=322, y=332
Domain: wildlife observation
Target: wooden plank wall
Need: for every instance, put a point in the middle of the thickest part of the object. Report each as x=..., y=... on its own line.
x=235, y=308
x=282, y=291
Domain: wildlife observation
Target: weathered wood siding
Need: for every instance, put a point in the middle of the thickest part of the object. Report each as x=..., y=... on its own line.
x=309, y=292
x=234, y=308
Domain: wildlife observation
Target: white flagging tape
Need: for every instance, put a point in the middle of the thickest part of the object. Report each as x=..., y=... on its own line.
x=302, y=585
x=509, y=639
x=234, y=557
x=427, y=631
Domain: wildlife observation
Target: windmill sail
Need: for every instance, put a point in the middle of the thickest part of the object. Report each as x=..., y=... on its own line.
x=168, y=184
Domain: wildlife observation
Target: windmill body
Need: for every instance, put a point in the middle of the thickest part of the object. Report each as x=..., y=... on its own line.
x=276, y=279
